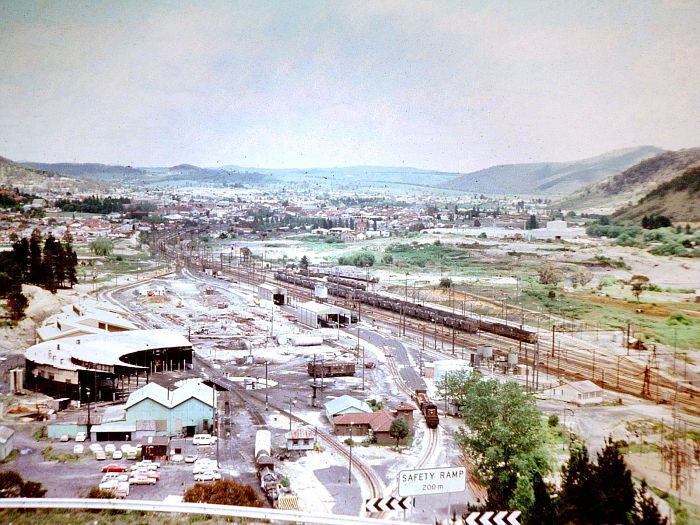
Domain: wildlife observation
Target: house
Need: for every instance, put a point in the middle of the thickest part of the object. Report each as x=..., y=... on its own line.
x=580, y=392
x=375, y=426
x=345, y=404
x=7, y=441
x=187, y=410
x=303, y=438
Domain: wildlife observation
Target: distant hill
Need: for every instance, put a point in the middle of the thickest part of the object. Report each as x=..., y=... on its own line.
x=550, y=177
x=87, y=170
x=678, y=199
x=185, y=167
x=15, y=175
x=634, y=183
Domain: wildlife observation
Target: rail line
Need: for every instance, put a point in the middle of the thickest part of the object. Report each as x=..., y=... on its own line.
x=364, y=472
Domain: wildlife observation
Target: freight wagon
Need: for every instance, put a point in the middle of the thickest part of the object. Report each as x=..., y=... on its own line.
x=330, y=369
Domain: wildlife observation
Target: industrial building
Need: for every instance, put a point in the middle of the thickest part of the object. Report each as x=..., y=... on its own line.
x=314, y=314
x=270, y=292
x=104, y=367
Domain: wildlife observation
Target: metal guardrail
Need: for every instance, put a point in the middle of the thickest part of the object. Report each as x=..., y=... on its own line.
x=274, y=515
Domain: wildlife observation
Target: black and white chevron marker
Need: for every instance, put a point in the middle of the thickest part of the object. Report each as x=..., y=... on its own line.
x=503, y=517
x=385, y=504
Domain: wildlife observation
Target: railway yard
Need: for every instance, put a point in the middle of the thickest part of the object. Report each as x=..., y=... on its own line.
x=274, y=375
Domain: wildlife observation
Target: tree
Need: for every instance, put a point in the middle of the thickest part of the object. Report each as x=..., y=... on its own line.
x=387, y=258
x=35, y=263
x=647, y=513
x=17, y=303
x=639, y=283
x=549, y=274
x=101, y=246
x=446, y=283
x=543, y=511
x=531, y=223
x=223, y=492
x=505, y=436
x=304, y=263
x=577, y=495
x=398, y=429
x=613, y=484
x=12, y=485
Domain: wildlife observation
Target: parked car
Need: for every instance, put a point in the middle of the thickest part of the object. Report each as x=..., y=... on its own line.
x=209, y=475
x=142, y=480
x=64, y=438
x=190, y=458
x=203, y=439
x=177, y=458
x=119, y=488
x=94, y=447
x=113, y=467
x=205, y=467
x=156, y=464
x=100, y=455
x=117, y=454
x=110, y=448
x=124, y=447
x=115, y=475
x=78, y=449
x=80, y=437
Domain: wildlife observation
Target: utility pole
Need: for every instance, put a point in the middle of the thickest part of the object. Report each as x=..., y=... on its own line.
x=267, y=387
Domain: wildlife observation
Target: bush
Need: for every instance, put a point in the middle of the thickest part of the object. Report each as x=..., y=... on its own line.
x=223, y=492
x=98, y=493
x=553, y=421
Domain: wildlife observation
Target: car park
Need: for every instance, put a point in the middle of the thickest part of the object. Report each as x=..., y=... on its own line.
x=80, y=437
x=78, y=449
x=208, y=475
x=112, y=467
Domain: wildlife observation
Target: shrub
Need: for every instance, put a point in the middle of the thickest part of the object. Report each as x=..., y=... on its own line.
x=223, y=492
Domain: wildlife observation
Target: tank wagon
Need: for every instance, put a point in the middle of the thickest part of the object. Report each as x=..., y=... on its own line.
x=422, y=312
x=428, y=408
x=265, y=466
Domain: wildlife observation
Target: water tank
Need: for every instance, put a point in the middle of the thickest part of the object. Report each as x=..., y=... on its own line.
x=306, y=340
x=321, y=292
x=512, y=358
x=485, y=351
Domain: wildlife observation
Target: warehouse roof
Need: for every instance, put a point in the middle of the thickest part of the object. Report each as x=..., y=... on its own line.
x=171, y=399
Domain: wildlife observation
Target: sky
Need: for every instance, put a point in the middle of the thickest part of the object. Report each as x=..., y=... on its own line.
x=453, y=86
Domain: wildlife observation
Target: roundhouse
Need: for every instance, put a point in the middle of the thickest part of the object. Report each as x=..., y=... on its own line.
x=104, y=367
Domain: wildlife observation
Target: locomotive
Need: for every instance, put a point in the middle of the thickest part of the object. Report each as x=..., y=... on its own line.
x=265, y=466
x=428, y=408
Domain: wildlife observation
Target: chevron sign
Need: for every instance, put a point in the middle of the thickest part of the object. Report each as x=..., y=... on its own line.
x=503, y=517
x=385, y=504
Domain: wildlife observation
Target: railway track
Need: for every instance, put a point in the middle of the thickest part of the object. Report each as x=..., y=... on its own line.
x=254, y=405
x=572, y=359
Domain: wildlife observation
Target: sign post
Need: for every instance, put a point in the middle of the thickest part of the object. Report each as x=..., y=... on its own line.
x=433, y=481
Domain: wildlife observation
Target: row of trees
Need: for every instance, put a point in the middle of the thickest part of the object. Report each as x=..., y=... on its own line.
x=504, y=435
x=48, y=263
x=94, y=204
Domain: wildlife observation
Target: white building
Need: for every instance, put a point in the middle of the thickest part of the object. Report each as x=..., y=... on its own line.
x=580, y=392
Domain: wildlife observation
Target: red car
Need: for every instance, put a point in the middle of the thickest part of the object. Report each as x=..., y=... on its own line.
x=114, y=468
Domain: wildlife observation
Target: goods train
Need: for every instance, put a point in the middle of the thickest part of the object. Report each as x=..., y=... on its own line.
x=330, y=369
x=428, y=408
x=265, y=466
x=426, y=313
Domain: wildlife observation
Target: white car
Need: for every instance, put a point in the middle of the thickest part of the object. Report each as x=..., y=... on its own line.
x=177, y=458
x=208, y=475
x=78, y=449
x=125, y=447
x=142, y=480
x=115, y=476
x=80, y=437
x=198, y=468
x=117, y=454
x=190, y=458
x=110, y=448
x=94, y=447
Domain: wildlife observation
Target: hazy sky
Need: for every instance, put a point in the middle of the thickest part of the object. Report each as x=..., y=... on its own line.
x=446, y=85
